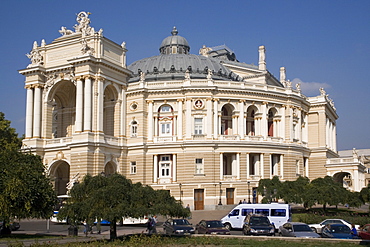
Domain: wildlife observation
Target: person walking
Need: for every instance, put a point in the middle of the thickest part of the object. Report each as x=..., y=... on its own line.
x=154, y=224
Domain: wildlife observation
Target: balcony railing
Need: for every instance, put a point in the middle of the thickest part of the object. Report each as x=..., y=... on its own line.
x=58, y=140
x=165, y=139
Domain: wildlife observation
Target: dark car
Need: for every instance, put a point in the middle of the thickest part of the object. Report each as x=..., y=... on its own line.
x=178, y=227
x=211, y=227
x=258, y=225
x=13, y=226
x=364, y=232
x=337, y=231
x=297, y=229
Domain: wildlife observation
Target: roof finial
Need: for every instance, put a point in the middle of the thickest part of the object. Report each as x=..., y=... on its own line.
x=174, y=31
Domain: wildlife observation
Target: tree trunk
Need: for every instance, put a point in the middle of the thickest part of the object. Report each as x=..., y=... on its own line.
x=324, y=208
x=113, y=230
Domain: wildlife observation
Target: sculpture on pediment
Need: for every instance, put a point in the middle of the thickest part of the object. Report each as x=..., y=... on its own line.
x=86, y=49
x=204, y=50
x=209, y=74
x=187, y=75
x=142, y=76
x=298, y=86
x=83, y=25
x=64, y=31
x=35, y=56
x=288, y=84
x=322, y=91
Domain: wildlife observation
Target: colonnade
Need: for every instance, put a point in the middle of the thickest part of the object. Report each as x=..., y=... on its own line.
x=89, y=108
x=212, y=120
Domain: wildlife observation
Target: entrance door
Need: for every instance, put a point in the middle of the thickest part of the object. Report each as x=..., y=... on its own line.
x=230, y=196
x=199, y=199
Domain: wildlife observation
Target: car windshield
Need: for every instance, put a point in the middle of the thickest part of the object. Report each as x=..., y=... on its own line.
x=181, y=222
x=260, y=221
x=302, y=228
x=340, y=229
x=214, y=224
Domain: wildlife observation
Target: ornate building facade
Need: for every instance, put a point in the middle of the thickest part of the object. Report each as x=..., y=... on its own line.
x=205, y=127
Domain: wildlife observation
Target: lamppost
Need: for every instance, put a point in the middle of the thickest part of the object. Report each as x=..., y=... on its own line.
x=219, y=202
x=249, y=193
x=180, y=185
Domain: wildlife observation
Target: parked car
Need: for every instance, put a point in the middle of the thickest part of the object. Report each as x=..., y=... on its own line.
x=13, y=225
x=211, y=227
x=258, y=225
x=178, y=227
x=335, y=230
x=297, y=229
x=364, y=232
x=318, y=227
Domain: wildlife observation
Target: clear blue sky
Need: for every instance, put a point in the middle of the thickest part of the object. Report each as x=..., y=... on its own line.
x=321, y=43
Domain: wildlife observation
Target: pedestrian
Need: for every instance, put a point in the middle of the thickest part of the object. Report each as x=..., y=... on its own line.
x=244, y=201
x=154, y=224
x=86, y=230
x=353, y=230
x=188, y=208
x=149, y=227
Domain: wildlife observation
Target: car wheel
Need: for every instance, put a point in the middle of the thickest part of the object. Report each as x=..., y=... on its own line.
x=314, y=229
x=196, y=231
x=228, y=226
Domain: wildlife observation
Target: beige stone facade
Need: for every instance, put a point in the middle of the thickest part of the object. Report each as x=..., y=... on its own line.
x=205, y=127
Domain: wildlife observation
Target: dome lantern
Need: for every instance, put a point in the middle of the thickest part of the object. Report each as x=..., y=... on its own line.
x=174, y=44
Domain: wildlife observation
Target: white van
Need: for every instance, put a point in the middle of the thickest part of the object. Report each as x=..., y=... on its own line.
x=278, y=214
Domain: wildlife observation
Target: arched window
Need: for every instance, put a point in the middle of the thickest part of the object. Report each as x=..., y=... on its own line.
x=165, y=120
x=133, y=128
x=251, y=124
x=226, y=120
x=270, y=123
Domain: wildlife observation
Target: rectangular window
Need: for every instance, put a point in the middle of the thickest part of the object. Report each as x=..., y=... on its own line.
x=134, y=130
x=264, y=212
x=165, y=166
x=199, y=167
x=246, y=211
x=165, y=170
x=133, y=167
x=165, y=128
x=278, y=212
x=198, y=126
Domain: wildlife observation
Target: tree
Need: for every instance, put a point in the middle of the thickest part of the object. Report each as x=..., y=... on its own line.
x=270, y=189
x=295, y=191
x=25, y=191
x=113, y=197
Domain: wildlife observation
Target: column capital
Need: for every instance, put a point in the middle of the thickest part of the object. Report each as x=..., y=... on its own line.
x=88, y=77
x=180, y=100
x=215, y=99
x=242, y=101
x=99, y=78
x=150, y=101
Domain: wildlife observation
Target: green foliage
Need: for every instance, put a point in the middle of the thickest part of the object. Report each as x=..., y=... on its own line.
x=25, y=191
x=113, y=197
x=324, y=191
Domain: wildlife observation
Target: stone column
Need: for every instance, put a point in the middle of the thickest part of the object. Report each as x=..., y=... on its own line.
x=215, y=119
x=241, y=128
x=281, y=166
x=262, y=171
x=334, y=137
x=29, y=112
x=264, y=130
x=174, y=164
x=87, y=104
x=100, y=105
x=179, y=119
x=282, y=125
x=37, y=112
x=237, y=165
x=150, y=120
x=79, y=105
x=221, y=165
x=123, y=115
x=209, y=119
x=155, y=168
x=248, y=167
x=188, y=118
